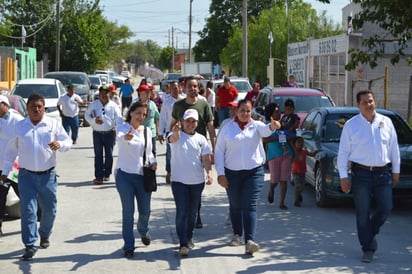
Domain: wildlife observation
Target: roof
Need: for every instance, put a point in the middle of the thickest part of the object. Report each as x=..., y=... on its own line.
x=296, y=91
x=65, y=72
x=355, y=110
x=38, y=81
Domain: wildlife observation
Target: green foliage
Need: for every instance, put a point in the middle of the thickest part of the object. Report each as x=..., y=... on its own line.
x=223, y=15
x=304, y=24
x=165, y=58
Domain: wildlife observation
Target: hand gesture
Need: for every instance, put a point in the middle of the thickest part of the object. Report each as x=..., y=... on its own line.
x=274, y=124
x=176, y=127
x=129, y=135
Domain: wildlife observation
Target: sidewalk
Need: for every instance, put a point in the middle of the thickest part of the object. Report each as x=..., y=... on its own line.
x=87, y=233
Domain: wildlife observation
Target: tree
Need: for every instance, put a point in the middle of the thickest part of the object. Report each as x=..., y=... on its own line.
x=165, y=58
x=392, y=16
x=224, y=14
x=305, y=24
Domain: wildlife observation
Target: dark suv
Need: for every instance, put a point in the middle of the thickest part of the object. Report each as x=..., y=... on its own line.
x=304, y=98
x=81, y=84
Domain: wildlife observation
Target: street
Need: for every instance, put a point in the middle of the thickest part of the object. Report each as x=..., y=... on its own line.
x=87, y=233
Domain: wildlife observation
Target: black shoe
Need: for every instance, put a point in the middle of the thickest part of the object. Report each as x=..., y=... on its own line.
x=199, y=222
x=44, y=242
x=146, y=240
x=29, y=252
x=129, y=254
x=283, y=207
x=271, y=195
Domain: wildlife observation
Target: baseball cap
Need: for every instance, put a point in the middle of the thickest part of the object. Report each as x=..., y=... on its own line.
x=191, y=113
x=145, y=88
x=232, y=104
x=4, y=99
x=104, y=88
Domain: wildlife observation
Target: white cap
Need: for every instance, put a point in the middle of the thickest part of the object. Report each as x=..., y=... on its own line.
x=4, y=99
x=191, y=113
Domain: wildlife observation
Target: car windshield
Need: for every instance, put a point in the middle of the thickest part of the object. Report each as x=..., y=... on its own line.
x=241, y=86
x=95, y=80
x=47, y=91
x=173, y=76
x=332, y=128
x=302, y=103
x=77, y=80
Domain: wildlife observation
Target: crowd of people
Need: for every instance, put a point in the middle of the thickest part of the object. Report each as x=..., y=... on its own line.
x=183, y=119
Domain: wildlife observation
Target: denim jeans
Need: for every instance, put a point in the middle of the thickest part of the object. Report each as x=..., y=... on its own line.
x=223, y=113
x=365, y=185
x=130, y=187
x=187, y=200
x=243, y=193
x=35, y=188
x=71, y=123
x=103, y=142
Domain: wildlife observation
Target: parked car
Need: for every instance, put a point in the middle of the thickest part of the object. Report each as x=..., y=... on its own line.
x=170, y=77
x=126, y=73
x=96, y=82
x=321, y=131
x=242, y=84
x=304, y=98
x=114, y=77
x=81, y=84
x=50, y=89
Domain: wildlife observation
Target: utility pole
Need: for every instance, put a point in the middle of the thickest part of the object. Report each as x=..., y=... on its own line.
x=173, y=52
x=190, y=32
x=57, y=65
x=244, y=44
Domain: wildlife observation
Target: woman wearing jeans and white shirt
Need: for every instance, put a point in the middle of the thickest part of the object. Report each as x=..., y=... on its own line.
x=129, y=175
x=239, y=159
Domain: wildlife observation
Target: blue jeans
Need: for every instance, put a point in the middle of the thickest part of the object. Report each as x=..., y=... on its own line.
x=243, y=193
x=35, y=188
x=71, y=123
x=168, y=156
x=103, y=142
x=223, y=113
x=130, y=187
x=187, y=200
x=365, y=185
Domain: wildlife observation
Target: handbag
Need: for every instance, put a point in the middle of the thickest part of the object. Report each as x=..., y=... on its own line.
x=149, y=175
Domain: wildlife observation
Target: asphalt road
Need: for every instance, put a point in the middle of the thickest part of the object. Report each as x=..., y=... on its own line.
x=87, y=233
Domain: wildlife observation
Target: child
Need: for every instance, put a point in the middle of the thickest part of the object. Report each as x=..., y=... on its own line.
x=299, y=168
x=190, y=154
x=289, y=122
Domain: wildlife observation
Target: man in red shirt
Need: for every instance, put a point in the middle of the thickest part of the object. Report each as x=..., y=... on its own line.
x=253, y=93
x=225, y=95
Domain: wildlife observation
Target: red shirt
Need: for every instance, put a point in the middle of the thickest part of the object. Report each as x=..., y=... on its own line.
x=252, y=96
x=299, y=162
x=226, y=95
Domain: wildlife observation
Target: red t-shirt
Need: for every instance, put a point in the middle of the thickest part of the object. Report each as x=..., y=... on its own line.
x=226, y=95
x=299, y=162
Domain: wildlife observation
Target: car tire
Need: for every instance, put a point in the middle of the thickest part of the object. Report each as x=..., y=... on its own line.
x=320, y=189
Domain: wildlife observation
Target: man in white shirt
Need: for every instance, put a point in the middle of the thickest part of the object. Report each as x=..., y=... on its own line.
x=68, y=106
x=369, y=145
x=36, y=140
x=8, y=120
x=103, y=115
x=166, y=119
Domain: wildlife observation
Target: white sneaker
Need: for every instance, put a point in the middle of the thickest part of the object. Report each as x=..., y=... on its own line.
x=184, y=251
x=251, y=247
x=236, y=240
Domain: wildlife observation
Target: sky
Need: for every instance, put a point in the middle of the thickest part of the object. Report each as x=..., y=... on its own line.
x=154, y=19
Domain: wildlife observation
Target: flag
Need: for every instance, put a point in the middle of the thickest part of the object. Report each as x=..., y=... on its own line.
x=23, y=34
x=349, y=27
x=270, y=37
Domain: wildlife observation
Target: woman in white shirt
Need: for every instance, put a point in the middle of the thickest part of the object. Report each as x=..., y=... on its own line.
x=239, y=159
x=129, y=175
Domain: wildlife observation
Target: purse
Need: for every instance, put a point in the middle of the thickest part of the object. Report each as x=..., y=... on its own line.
x=149, y=175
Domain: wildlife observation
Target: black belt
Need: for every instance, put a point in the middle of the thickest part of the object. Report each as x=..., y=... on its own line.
x=104, y=132
x=41, y=172
x=372, y=168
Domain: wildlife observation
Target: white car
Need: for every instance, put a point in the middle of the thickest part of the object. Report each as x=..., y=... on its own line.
x=242, y=84
x=50, y=89
x=125, y=73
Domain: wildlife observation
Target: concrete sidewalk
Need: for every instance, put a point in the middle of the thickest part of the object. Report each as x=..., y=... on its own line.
x=87, y=233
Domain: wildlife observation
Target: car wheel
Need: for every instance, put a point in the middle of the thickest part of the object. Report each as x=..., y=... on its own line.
x=320, y=188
